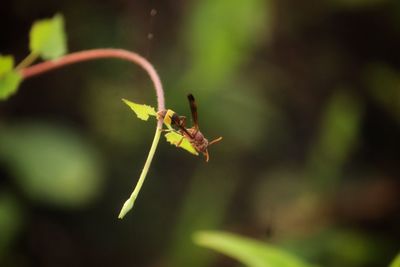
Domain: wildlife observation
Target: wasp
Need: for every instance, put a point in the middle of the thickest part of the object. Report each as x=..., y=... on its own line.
x=193, y=134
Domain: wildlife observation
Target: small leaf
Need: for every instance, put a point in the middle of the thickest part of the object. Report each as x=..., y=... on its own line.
x=6, y=64
x=250, y=252
x=174, y=138
x=9, y=83
x=48, y=38
x=9, y=79
x=142, y=111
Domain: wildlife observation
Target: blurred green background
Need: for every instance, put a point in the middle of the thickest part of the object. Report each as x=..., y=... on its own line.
x=305, y=93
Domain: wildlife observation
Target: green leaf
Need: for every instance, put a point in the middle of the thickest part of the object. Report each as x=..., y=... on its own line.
x=396, y=261
x=6, y=64
x=48, y=38
x=250, y=252
x=142, y=111
x=174, y=138
x=9, y=79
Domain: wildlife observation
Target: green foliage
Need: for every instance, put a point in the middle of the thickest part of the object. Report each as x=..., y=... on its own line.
x=174, y=138
x=396, y=261
x=142, y=111
x=250, y=252
x=48, y=38
x=52, y=165
x=9, y=79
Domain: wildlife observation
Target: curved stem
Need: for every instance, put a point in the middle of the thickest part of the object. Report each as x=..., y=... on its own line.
x=87, y=55
x=110, y=53
x=129, y=203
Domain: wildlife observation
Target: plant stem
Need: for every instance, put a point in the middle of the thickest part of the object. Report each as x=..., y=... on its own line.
x=26, y=62
x=129, y=203
x=86, y=55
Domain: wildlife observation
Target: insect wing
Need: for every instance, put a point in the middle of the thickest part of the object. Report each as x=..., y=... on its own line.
x=193, y=109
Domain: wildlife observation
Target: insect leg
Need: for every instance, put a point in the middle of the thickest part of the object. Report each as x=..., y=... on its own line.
x=215, y=141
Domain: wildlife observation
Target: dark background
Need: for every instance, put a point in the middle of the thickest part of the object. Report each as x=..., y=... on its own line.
x=305, y=93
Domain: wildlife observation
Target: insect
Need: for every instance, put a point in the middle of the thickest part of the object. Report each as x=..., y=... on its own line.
x=193, y=134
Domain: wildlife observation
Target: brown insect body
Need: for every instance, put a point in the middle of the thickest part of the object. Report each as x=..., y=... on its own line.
x=198, y=141
x=193, y=134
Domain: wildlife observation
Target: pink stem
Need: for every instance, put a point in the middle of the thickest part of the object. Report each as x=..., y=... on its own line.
x=97, y=54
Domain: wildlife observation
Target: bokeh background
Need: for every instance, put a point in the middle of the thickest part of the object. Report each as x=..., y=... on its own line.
x=305, y=93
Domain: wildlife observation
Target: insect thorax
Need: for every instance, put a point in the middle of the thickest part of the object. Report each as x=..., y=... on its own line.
x=198, y=140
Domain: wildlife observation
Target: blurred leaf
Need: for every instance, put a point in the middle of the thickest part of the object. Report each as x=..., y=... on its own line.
x=250, y=252
x=142, y=111
x=339, y=247
x=395, y=262
x=47, y=38
x=221, y=33
x=174, y=138
x=9, y=79
x=338, y=136
x=52, y=164
x=10, y=221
